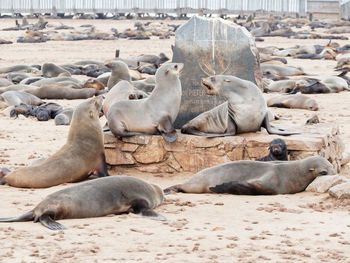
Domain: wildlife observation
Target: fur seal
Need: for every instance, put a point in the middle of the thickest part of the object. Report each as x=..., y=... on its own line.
x=285, y=86
x=94, y=83
x=123, y=90
x=295, y=101
x=17, y=97
x=120, y=71
x=5, y=82
x=244, y=111
x=16, y=87
x=278, y=151
x=64, y=117
x=18, y=68
x=282, y=71
x=57, y=91
x=82, y=153
x=43, y=112
x=51, y=70
x=153, y=115
x=256, y=178
x=95, y=198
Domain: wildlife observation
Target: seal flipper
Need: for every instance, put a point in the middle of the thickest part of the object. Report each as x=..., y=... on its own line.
x=141, y=207
x=29, y=216
x=166, y=129
x=267, y=126
x=47, y=221
x=175, y=188
x=149, y=213
x=102, y=170
x=241, y=188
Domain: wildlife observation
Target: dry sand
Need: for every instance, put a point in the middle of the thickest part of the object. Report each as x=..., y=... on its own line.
x=304, y=227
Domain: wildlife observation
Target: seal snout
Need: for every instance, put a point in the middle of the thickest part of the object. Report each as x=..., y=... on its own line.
x=208, y=85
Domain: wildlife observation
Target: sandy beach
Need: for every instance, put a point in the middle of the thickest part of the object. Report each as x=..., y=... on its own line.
x=303, y=227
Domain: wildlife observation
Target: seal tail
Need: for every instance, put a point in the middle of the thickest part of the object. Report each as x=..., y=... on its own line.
x=268, y=127
x=29, y=216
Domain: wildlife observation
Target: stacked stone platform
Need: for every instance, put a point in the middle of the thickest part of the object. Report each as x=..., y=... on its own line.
x=193, y=153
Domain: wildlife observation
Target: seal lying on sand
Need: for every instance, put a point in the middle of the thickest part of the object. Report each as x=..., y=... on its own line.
x=82, y=154
x=43, y=112
x=295, y=101
x=255, y=178
x=57, y=91
x=278, y=151
x=17, y=97
x=99, y=197
x=153, y=115
x=244, y=111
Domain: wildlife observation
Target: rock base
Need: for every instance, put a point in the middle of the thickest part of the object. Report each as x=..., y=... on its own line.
x=193, y=153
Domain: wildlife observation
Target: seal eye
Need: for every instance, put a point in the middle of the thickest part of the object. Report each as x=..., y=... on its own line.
x=175, y=66
x=323, y=173
x=212, y=79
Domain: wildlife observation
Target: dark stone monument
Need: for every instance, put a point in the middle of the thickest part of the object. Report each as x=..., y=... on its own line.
x=211, y=47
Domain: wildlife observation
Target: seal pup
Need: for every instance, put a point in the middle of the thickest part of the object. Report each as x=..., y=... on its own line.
x=94, y=83
x=256, y=178
x=244, y=111
x=64, y=117
x=95, y=198
x=43, y=112
x=294, y=101
x=153, y=115
x=278, y=151
x=82, y=153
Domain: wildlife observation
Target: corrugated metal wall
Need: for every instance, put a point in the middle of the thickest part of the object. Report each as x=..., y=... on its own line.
x=230, y=6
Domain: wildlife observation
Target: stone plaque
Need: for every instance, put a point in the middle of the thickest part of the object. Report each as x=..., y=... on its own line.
x=211, y=47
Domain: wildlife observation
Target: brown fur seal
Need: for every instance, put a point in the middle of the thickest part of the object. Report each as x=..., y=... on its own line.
x=64, y=117
x=254, y=177
x=18, y=68
x=153, y=115
x=5, y=82
x=16, y=87
x=120, y=71
x=82, y=154
x=285, y=86
x=56, y=91
x=123, y=90
x=244, y=111
x=95, y=198
x=43, y=112
x=51, y=70
x=17, y=97
x=94, y=83
x=55, y=80
x=295, y=101
x=278, y=70
x=278, y=151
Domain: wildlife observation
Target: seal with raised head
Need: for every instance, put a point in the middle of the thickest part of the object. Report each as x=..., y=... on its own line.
x=257, y=178
x=95, y=198
x=294, y=101
x=278, y=151
x=244, y=111
x=153, y=115
x=82, y=154
x=120, y=71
